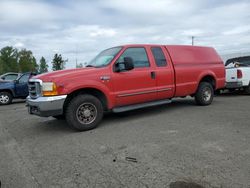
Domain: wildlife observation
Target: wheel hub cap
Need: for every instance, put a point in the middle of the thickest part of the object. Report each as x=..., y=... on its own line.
x=207, y=94
x=86, y=113
x=4, y=99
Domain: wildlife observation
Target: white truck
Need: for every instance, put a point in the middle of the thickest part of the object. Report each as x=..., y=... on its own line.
x=238, y=74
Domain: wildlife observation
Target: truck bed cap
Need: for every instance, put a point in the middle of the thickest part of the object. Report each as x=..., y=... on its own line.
x=182, y=54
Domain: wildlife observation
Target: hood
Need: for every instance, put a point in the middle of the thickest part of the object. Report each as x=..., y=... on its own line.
x=67, y=74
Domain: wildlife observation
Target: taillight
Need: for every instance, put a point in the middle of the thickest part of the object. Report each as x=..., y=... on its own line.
x=239, y=74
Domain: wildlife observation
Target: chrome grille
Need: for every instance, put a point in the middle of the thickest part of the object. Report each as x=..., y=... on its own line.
x=34, y=88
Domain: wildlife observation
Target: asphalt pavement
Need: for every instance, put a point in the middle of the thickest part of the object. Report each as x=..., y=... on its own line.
x=171, y=145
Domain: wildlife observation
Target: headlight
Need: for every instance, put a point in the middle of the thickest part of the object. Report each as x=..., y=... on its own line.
x=49, y=89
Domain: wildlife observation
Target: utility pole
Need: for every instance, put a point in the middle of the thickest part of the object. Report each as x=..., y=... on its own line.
x=192, y=40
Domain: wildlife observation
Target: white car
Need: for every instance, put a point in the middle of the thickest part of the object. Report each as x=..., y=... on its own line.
x=238, y=73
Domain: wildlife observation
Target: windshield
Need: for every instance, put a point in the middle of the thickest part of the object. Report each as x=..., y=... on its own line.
x=104, y=58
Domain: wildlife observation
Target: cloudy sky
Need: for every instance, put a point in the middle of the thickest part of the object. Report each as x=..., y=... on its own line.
x=81, y=29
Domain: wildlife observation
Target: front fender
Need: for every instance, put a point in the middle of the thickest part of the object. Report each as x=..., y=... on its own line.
x=8, y=87
x=90, y=84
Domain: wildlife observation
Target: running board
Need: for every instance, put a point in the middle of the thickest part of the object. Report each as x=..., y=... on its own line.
x=142, y=105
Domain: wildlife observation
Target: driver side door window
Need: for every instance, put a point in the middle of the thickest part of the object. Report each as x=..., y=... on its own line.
x=138, y=55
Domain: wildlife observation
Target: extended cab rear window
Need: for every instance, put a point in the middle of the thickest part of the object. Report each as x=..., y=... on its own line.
x=138, y=55
x=159, y=57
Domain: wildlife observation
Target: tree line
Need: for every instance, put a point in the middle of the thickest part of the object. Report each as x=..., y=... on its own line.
x=14, y=60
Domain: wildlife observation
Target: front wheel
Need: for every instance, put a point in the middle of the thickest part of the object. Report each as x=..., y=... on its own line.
x=205, y=93
x=84, y=112
x=5, y=98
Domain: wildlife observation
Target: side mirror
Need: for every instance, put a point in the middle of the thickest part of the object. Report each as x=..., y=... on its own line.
x=16, y=81
x=126, y=65
x=3, y=78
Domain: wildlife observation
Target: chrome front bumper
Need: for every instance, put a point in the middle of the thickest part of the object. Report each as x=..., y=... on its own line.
x=46, y=106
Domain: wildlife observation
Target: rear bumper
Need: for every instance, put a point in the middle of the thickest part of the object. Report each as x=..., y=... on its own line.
x=46, y=106
x=234, y=84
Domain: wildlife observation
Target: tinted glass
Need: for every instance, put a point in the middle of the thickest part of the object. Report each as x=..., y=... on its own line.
x=11, y=77
x=138, y=55
x=159, y=57
x=24, y=78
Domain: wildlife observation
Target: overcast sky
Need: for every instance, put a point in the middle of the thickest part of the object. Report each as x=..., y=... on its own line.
x=81, y=29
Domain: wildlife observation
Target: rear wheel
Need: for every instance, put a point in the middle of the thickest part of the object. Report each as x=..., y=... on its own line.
x=205, y=93
x=84, y=112
x=247, y=89
x=5, y=98
x=231, y=90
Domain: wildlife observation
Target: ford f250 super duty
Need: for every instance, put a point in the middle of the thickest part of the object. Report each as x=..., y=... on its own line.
x=126, y=78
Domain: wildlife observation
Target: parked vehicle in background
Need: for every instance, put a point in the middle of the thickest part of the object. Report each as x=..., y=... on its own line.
x=10, y=76
x=127, y=78
x=10, y=89
x=238, y=73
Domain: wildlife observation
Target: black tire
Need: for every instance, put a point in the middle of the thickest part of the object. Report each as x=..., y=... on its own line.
x=231, y=90
x=205, y=94
x=247, y=89
x=84, y=112
x=59, y=117
x=5, y=98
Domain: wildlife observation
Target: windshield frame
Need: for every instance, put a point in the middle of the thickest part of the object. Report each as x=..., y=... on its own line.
x=91, y=63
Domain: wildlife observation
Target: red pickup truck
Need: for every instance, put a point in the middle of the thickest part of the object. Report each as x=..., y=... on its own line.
x=126, y=78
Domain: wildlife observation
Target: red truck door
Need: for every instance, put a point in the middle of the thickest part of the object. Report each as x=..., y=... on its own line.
x=137, y=85
x=164, y=73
